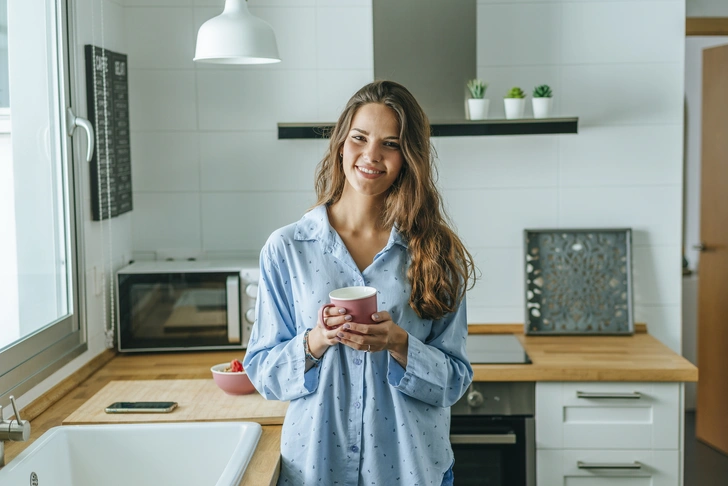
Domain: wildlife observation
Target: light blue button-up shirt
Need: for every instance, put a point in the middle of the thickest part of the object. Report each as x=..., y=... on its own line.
x=358, y=418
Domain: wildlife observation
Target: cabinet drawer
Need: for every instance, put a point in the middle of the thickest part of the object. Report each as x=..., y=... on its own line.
x=607, y=468
x=607, y=415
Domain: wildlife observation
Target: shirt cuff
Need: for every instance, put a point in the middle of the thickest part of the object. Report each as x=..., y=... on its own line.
x=311, y=375
x=402, y=378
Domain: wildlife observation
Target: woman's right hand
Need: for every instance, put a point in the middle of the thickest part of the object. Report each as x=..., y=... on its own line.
x=324, y=334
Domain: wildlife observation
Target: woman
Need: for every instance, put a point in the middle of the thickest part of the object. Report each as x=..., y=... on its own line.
x=369, y=402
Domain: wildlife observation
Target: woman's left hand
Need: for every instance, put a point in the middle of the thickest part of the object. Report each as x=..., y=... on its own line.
x=384, y=334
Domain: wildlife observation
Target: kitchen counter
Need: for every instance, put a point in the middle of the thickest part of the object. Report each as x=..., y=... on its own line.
x=639, y=357
x=264, y=465
x=555, y=358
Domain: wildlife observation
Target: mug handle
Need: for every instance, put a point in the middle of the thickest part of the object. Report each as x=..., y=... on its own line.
x=321, y=314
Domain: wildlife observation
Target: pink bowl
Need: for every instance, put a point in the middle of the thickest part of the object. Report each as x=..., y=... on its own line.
x=231, y=383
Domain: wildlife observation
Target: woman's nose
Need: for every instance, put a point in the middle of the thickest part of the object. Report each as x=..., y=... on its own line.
x=372, y=153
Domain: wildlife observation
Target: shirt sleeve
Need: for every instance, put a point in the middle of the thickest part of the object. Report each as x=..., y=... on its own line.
x=275, y=358
x=438, y=371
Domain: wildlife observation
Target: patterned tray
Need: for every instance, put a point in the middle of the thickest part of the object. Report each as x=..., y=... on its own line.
x=578, y=281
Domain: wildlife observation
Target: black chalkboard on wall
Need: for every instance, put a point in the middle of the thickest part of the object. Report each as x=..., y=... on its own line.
x=107, y=98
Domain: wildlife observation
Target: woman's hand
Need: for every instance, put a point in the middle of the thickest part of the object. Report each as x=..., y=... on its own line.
x=384, y=334
x=324, y=334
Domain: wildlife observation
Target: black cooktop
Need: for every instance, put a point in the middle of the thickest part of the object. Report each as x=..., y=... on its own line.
x=495, y=349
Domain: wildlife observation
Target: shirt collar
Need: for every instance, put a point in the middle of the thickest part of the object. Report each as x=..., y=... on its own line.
x=314, y=225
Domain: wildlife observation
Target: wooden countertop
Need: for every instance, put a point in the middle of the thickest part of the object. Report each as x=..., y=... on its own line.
x=639, y=357
x=264, y=465
x=555, y=358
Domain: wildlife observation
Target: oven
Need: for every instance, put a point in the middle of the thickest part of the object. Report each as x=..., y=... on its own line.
x=492, y=433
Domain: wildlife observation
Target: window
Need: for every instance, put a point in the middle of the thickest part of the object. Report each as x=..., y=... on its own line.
x=39, y=285
x=4, y=81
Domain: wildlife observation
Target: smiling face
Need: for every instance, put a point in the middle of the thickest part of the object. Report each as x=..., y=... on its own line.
x=372, y=156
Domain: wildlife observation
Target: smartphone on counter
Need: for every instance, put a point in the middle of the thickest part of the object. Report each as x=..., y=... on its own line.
x=141, y=407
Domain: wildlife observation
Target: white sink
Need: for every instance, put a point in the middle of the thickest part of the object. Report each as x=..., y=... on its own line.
x=194, y=454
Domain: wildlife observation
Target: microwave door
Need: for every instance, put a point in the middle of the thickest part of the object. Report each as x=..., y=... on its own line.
x=233, y=308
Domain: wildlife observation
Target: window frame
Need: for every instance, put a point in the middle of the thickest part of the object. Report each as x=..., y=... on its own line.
x=35, y=357
x=4, y=120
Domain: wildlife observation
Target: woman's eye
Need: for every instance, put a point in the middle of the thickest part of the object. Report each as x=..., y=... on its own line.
x=358, y=137
x=392, y=145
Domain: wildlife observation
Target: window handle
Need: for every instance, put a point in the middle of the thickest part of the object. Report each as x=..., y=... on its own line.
x=76, y=121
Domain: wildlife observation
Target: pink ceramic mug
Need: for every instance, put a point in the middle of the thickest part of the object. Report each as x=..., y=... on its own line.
x=360, y=303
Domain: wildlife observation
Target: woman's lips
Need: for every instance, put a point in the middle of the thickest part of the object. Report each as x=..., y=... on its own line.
x=369, y=173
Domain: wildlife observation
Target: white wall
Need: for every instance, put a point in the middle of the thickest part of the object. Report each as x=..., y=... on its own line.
x=622, y=169
x=208, y=171
x=625, y=84
x=706, y=8
x=107, y=244
x=210, y=175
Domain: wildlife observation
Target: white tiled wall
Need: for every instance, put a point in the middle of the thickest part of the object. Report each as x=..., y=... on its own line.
x=618, y=66
x=706, y=8
x=210, y=174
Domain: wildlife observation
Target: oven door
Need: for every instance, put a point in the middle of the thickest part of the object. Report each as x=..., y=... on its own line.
x=493, y=450
x=179, y=311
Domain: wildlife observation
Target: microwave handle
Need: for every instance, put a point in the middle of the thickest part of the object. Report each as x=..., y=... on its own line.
x=233, y=308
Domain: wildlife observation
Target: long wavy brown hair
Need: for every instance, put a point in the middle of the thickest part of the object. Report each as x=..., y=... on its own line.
x=441, y=268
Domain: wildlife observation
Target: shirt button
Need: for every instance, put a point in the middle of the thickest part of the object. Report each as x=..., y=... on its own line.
x=354, y=449
x=357, y=361
x=357, y=404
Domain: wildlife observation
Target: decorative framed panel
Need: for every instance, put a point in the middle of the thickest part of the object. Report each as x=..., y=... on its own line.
x=578, y=281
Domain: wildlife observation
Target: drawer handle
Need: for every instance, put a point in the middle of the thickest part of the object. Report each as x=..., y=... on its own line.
x=483, y=438
x=629, y=396
x=609, y=465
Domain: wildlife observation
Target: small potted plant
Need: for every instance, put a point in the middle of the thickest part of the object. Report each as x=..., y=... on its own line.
x=542, y=98
x=515, y=103
x=477, y=104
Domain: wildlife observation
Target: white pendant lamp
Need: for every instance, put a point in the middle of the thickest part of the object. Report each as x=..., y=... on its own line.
x=236, y=37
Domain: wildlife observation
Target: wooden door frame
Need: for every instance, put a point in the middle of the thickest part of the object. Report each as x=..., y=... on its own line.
x=706, y=26
x=711, y=422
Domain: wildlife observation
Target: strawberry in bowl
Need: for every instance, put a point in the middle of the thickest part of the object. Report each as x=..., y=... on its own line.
x=235, y=367
x=232, y=378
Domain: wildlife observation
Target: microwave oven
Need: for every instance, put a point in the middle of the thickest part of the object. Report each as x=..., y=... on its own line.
x=185, y=305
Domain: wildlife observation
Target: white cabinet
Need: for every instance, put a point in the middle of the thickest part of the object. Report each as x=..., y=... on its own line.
x=600, y=433
x=626, y=468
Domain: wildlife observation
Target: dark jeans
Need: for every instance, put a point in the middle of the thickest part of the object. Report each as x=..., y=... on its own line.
x=448, y=478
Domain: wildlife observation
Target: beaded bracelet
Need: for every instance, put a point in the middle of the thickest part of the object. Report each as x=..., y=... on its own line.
x=307, y=351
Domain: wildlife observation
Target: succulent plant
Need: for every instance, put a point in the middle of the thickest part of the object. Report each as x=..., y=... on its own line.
x=515, y=92
x=542, y=91
x=477, y=88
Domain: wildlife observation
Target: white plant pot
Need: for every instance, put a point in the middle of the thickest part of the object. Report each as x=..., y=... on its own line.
x=478, y=108
x=514, y=107
x=541, y=107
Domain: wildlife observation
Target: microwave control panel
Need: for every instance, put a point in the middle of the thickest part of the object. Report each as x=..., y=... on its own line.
x=249, y=290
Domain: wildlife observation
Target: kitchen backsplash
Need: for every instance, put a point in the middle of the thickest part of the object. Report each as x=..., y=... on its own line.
x=211, y=176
